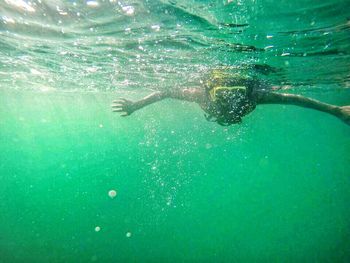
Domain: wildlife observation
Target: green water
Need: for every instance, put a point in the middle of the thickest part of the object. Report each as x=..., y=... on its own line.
x=275, y=188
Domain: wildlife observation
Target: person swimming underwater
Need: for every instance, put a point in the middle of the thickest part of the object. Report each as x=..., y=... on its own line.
x=227, y=98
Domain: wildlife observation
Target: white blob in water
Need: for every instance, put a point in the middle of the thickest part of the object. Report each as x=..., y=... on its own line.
x=112, y=193
x=156, y=27
x=128, y=234
x=129, y=10
x=21, y=4
x=92, y=3
x=97, y=229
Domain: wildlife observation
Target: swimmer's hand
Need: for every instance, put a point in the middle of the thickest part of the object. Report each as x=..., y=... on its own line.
x=124, y=106
x=344, y=114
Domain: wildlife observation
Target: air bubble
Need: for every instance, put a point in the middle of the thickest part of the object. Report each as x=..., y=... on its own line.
x=112, y=193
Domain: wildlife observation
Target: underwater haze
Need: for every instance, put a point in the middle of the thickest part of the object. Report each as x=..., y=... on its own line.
x=79, y=183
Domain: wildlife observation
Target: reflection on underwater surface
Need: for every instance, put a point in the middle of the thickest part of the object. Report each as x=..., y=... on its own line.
x=118, y=45
x=79, y=184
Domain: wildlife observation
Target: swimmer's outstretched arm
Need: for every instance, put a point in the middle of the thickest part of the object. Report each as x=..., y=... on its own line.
x=127, y=107
x=282, y=98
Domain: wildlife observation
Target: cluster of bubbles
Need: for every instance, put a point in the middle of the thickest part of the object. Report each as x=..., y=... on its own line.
x=112, y=194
